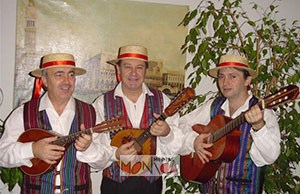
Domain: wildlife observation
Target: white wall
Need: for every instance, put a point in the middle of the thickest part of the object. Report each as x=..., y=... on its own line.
x=7, y=54
x=288, y=9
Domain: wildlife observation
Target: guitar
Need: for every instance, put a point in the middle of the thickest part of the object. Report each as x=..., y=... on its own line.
x=225, y=136
x=142, y=138
x=31, y=135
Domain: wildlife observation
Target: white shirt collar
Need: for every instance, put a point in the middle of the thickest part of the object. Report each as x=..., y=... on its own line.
x=119, y=91
x=45, y=103
x=243, y=108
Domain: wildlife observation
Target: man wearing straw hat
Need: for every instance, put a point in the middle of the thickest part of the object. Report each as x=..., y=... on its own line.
x=138, y=103
x=260, y=138
x=58, y=111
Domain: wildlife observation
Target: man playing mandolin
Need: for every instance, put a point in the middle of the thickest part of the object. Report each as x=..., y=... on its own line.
x=254, y=143
x=139, y=105
x=56, y=110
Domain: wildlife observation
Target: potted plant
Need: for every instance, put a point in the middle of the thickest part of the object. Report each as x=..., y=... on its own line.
x=273, y=50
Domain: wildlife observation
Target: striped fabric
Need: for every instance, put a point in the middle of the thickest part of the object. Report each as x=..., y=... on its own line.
x=115, y=107
x=74, y=175
x=241, y=175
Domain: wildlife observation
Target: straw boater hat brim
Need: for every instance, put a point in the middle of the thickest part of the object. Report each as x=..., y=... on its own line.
x=57, y=60
x=131, y=52
x=236, y=61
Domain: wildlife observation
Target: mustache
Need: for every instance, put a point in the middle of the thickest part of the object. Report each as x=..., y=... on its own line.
x=64, y=86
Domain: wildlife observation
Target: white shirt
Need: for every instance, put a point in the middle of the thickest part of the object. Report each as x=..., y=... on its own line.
x=100, y=154
x=265, y=148
x=19, y=154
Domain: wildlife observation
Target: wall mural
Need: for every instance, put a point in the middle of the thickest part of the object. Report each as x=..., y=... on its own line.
x=93, y=31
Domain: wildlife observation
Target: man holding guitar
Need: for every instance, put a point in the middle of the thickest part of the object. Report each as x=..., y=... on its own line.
x=57, y=111
x=141, y=106
x=255, y=142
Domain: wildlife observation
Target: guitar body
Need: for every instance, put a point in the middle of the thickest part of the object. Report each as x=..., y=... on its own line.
x=128, y=135
x=223, y=150
x=38, y=166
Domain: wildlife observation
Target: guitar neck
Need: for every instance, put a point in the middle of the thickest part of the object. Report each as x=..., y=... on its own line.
x=146, y=134
x=282, y=96
x=231, y=125
x=70, y=138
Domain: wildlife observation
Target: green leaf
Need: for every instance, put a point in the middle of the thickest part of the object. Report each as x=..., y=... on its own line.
x=226, y=3
x=254, y=6
x=11, y=176
x=193, y=14
x=215, y=24
x=225, y=21
x=251, y=23
x=203, y=47
x=192, y=49
x=272, y=7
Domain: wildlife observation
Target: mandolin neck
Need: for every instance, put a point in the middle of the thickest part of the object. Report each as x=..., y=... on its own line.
x=146, y=134
x=70, y=138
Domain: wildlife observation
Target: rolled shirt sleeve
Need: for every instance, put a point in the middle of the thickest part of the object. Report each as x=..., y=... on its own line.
x=201, y=116
x=100, y=153
x=265, y=148
x=16, y=153
x=173, y=142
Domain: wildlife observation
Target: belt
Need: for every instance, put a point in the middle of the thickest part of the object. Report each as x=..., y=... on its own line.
x=76, y=187
x=243, y=181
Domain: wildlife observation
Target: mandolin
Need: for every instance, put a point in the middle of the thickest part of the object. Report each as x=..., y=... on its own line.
x=225, y=136
x=31, y=135
x=142, y=138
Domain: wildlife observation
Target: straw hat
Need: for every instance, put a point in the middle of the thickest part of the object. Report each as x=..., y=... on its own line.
x=57, y=60
x=131, y=52
x=237, y=61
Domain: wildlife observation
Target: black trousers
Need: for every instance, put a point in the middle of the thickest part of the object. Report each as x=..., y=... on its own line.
x=132, y=185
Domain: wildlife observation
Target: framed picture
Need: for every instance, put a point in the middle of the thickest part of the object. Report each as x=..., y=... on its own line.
x=93, y=31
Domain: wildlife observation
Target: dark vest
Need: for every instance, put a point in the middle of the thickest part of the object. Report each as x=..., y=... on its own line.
x=241, y=175
x=115, y=107
x=74, y=175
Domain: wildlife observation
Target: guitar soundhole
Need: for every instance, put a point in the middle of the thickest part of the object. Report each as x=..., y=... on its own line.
x=127, y=139
x=216, y=161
